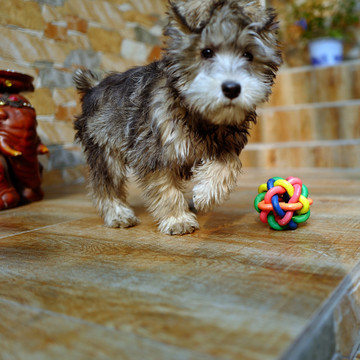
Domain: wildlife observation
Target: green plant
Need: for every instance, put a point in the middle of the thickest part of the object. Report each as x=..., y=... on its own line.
x=324, y=18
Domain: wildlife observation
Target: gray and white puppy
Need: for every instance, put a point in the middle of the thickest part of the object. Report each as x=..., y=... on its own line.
x=184, y=117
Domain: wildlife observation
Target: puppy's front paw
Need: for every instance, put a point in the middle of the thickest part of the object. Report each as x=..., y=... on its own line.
x=202, y=204
x=185, y=224
x=121, y=217
x=122, y=222
x=204, y=198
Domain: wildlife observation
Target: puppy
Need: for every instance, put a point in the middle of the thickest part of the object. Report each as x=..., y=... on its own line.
x=184, y=117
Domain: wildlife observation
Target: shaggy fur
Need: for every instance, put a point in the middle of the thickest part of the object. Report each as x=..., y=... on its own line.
x=185, y=116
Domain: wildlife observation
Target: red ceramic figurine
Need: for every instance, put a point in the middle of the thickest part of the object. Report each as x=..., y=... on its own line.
x=20, y=170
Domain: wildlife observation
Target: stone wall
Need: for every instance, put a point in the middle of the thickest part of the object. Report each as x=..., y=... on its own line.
x=49, y=39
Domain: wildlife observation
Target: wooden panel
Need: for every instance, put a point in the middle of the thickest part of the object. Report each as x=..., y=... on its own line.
x=71, y=288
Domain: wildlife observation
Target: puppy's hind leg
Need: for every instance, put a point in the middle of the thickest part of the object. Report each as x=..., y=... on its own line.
x=165, y=199
x=108, y=190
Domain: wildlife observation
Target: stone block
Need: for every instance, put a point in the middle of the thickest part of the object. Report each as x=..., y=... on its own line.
x=76, y=23
x=136, y=51
x=25, y=14
x=67, y=112
x=83, y=58
x=51, y=13
x=56, y=31
x=104, y=40
x=42, y=100
x=51, y=177
x=70, y=175
x=118, y=2
x=157, y=30
x=149, y=7
x=52, y=2
x=23, y=47
x=77, y=174
x=140, y=18
x=56, y=132
x=155, y=54
x=62, y=157
x=65, y=165
x=43, y=64
x=65, y=96
x=128, y=32
x=112, y=62
x=78, y=40
x=145, y=36
x=101, y=12
x=55, y=78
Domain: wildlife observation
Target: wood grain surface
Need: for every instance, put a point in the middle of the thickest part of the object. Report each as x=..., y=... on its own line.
x=72, y=289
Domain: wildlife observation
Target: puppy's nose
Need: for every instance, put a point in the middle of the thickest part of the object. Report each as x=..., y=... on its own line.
x=231, y=89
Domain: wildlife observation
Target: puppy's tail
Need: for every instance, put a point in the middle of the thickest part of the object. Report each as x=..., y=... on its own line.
x=85, y=80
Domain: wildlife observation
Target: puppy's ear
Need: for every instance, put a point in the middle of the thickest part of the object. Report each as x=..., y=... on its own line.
x=267, y=29
x=270, y=22
x=193, y=14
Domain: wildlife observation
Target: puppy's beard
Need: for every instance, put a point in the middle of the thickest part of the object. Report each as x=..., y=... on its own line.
x=204, y=93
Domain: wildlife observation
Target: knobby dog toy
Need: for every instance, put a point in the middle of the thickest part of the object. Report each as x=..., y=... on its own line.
x=283, y=204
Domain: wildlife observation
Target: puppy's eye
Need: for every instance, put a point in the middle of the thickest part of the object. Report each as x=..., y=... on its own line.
x=207, y=53
x=248, y=56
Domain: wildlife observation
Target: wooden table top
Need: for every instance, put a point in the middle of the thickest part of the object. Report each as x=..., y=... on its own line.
x=72, y=289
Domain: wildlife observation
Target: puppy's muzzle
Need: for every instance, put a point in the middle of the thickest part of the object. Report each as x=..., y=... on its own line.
x=231, y=89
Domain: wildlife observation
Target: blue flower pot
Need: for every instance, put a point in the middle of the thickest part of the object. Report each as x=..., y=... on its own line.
x=326, y=52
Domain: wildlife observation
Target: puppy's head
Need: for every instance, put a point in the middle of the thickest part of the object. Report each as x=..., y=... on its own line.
x=222, y=56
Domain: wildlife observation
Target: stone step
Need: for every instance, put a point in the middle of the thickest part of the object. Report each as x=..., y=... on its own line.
x=314, y=85
x=309, y=122
x=309, y=154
